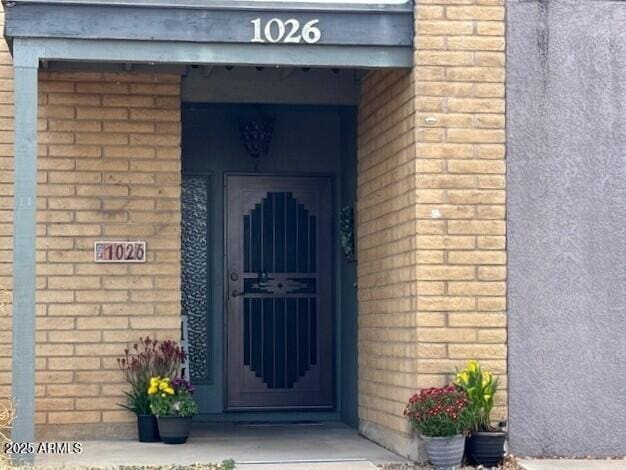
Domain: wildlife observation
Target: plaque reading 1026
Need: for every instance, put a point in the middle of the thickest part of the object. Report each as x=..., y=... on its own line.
x=120, y=252
x=289, y=31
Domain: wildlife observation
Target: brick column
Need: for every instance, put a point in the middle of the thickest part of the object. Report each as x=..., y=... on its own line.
x=431, y=215
x=460, y=188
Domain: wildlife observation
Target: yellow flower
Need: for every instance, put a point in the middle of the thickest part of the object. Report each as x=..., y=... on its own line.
x=152, y=390
x=472, y=366
x=486, y=378
x=154, y=381
x=162, y=385
x=462, y=378
x=169, y=391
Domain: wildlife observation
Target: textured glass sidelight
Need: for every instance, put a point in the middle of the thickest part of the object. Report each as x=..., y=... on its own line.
x=280, y=308
x=195, y=295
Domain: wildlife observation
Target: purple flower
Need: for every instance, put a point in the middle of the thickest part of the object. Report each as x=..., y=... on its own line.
x=181, y=384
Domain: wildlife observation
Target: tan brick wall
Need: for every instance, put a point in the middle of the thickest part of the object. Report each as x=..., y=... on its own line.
x=386, y=254
x=108, y=168
x=460, y=188
x=432, y=234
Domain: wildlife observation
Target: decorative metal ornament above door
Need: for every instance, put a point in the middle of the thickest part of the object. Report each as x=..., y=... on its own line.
x=256, y=134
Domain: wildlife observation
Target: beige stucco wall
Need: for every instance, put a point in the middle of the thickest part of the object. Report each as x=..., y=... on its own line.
x=431, y=212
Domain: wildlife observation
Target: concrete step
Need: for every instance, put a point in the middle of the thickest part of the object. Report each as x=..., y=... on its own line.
x=326, y=465
x=572, y=464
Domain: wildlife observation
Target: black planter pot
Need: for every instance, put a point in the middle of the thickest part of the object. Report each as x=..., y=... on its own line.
x=485, y=448
x=147, y=428
x=174, y=429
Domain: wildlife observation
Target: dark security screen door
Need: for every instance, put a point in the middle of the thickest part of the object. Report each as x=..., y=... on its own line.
x=279, y=261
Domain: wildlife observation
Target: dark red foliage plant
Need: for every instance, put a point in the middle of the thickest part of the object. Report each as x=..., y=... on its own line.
x=146, y=359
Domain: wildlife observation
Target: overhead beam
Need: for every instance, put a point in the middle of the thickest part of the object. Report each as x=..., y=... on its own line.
x=369, y=57
x=214, y=25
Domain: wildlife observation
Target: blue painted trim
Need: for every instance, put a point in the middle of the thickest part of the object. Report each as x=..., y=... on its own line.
x=24, y=251
x=228, y=54
x=214, y=25
x=364, y=6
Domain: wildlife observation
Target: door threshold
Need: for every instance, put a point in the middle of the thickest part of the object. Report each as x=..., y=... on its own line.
x=270, y=417
x=260, y=424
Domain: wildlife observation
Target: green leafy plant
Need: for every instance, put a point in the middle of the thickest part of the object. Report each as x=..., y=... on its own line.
x=143, y=360
x=171, y=397
x=480, y=387
x=438, y=412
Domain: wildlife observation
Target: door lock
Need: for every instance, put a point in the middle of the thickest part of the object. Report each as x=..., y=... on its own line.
x=236, y=293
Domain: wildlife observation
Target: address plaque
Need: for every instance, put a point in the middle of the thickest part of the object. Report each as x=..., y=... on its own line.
x=119, y=251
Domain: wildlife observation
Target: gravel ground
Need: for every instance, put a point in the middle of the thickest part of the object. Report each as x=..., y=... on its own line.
x=509, y=464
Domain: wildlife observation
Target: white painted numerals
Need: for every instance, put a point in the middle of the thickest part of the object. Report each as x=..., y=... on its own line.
x=289, y=31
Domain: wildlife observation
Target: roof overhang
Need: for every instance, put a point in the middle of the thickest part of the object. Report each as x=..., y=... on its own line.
x=351, y=34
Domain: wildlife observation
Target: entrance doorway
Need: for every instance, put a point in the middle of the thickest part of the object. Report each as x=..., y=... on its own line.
x=279, y=323
x=269, y=296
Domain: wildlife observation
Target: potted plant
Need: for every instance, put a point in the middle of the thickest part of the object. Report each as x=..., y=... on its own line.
x=441, y=417
x=172, y=403
x=485, y=445
x=145, y=359
x=137, y=366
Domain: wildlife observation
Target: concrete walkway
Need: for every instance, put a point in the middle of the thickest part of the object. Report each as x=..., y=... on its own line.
x=572, y=464
x=254, y=447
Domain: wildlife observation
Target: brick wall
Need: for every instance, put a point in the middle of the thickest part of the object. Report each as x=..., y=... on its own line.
x=461, y=232
x=432, y=235
x=108, y=168
x=386, y=256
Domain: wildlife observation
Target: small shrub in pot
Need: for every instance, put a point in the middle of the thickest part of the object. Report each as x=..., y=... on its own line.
x=172, y=403
x=441, y=417
x=143, y=360
x=485, y=445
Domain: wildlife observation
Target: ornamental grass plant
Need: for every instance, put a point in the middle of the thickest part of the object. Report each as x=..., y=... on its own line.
x=439, y=412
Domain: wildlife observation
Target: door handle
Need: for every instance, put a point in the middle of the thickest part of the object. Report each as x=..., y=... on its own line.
x=236, y=293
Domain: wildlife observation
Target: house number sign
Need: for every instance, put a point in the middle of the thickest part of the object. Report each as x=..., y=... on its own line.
x=120, y=252
x=289, y=31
